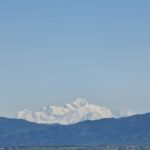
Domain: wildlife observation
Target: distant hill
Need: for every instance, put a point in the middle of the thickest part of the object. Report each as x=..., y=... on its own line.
x=128, y=130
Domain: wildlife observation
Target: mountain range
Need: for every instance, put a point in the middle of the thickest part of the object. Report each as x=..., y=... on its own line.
x=127, y=130
x=77, y=111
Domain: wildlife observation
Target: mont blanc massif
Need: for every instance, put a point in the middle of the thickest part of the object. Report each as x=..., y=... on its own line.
x=77, y=111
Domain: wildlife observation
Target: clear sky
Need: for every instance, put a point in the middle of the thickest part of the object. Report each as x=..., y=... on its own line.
x=54, y=51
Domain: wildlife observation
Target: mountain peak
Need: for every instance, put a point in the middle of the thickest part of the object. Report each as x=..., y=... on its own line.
x=79, y=110
x=80, y=102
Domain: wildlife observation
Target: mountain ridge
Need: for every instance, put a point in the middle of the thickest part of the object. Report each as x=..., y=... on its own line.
x=127, y=130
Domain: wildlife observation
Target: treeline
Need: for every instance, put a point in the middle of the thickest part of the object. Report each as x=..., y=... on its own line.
x=98, y=147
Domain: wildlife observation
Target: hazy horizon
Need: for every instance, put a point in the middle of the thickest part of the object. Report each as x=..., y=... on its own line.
x=52, y=52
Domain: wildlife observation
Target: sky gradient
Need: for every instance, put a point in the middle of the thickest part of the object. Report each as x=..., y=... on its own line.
x=52, y=52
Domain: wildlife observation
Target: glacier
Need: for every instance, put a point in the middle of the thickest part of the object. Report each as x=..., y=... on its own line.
x=79, y=110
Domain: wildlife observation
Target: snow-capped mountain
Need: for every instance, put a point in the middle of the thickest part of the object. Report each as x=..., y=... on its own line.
x=78, y=111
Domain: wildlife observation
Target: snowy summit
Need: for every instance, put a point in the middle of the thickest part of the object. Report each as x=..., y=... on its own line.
x=78, y=111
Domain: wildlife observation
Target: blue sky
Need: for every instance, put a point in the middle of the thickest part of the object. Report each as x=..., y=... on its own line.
x=52, y=52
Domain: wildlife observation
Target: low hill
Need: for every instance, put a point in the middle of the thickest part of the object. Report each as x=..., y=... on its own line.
x=128, y=130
